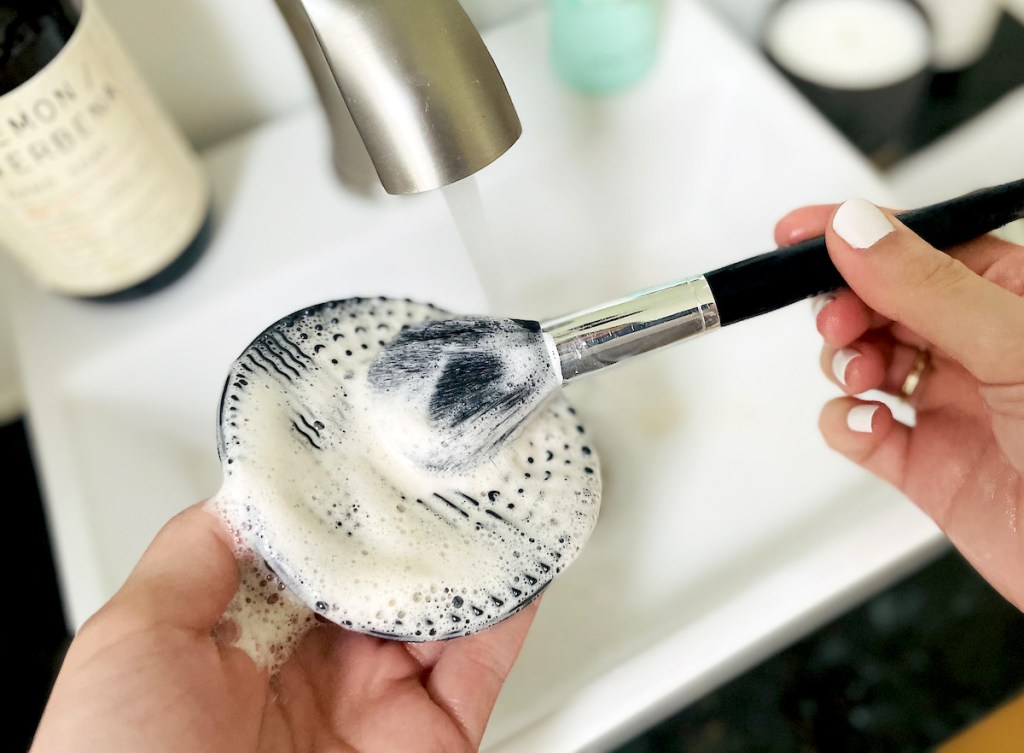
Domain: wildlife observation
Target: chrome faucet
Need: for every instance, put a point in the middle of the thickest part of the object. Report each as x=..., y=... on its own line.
x=414, y=80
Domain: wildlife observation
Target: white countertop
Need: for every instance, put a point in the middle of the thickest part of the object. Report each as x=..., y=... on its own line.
x=728, y=528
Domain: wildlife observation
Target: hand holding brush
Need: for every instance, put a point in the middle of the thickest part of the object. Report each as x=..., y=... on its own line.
x=945, y=334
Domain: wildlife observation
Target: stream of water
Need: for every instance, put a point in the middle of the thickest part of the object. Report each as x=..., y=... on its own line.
x=470, y=216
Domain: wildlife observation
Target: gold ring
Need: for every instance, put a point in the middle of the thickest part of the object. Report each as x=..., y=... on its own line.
x=922, y=363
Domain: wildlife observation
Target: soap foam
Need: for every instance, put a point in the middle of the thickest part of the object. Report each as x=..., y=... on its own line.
x=359, y=533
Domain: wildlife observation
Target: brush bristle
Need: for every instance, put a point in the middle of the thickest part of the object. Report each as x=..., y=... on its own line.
x=469, y=384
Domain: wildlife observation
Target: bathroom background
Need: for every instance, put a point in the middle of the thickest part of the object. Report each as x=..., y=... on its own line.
x=240, y=67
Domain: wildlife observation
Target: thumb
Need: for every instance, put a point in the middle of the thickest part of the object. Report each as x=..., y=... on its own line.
x=186, y=576
x=896, y=273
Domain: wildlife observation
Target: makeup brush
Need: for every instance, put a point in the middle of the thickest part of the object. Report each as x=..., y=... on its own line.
x=463, y=386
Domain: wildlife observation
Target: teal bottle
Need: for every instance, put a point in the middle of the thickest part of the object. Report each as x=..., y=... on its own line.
x=601, y=46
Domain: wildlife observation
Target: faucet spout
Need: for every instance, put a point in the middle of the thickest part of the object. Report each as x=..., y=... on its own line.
x=417, y=80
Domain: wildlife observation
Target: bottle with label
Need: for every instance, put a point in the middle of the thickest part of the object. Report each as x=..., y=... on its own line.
x=101, y=196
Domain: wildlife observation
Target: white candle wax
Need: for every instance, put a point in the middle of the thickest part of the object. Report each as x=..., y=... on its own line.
x=849, y=44
x=963, y=30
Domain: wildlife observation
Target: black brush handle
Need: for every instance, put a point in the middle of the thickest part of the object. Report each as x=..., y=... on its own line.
x=778, y=278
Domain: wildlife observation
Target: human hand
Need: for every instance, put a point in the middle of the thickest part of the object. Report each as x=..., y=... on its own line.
x=963, y=460
x=145, y=673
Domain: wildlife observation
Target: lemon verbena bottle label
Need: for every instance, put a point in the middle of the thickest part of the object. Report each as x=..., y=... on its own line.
x=99, y=190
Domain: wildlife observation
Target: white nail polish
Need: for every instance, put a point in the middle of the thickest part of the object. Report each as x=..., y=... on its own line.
x=861, y=224
x=840, y=361
x=820, y=302
x=859, y=418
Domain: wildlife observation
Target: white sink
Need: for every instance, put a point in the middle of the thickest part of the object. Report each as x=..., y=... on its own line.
x=728, y=528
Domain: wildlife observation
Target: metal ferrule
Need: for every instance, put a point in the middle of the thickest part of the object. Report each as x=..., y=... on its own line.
x=603, y=336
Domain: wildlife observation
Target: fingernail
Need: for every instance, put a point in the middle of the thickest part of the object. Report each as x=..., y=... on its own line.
x=859, y=418
x=820, y=302
x=861, y=224
x=841, y=361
